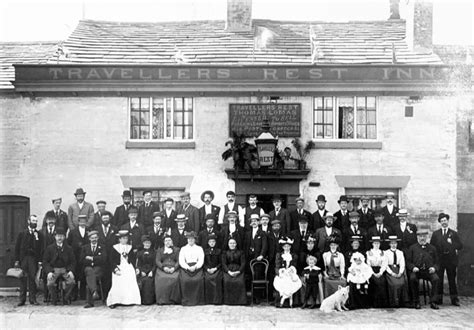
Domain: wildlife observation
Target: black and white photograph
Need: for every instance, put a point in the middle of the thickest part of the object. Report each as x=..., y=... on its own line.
x=236, y=164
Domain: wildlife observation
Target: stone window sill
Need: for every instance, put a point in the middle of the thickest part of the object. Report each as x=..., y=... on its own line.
x=160, y=145
x=341, y=144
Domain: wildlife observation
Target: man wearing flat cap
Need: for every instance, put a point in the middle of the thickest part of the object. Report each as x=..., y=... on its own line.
x=279, y=213
x=390, y=211
x=230, y=206
x=157, y=232
x=208, y=209
x=169, y=214
x=367, y=219
x=121, y=212
x=78, y=237
x=341, y=217
x=101, y=205
x=135, y=229
x=190, y=211
x=59, y=215
x=317, y=220
x=93, y=258
x=379, y=229
x=447, y=244
x=423, y=263
x=297, y=213
x=80, y=207
x=146, y=209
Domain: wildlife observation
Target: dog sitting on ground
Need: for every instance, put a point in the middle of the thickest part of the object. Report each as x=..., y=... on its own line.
x=336, y=301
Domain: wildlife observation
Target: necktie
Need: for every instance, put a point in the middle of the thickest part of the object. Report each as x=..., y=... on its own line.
x=57, y=214
x=106, y=231
x=394, y=257
x=302, y=233
x=380, y=229
x=93, y=249
x=444, y=232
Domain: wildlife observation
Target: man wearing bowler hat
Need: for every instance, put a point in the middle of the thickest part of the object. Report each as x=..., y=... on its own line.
x=299, y=211
x=57, y=213
x=318, y=216
x=121, y=212
x=190, y=211
x=379, y=229
x=80, y=207
x=322, y=234
x=341, y=217
x=279, y=213
x=447, y=244
x=208, y=208
x=423, y=263
x=146, y=210
x=390, y=211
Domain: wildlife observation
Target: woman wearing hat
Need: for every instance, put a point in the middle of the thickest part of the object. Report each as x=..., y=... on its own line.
x=191, y=278
x=145, y=271
x=124, y=289
x=167, y=273
x=377, y=259
x=287, y=281
x=334, y=267
x=358, y=278
x=233, y=267
x=396, y=278
x=212, y=271
x=354, y=243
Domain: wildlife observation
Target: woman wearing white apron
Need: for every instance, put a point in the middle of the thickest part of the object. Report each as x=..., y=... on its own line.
x=124, y=289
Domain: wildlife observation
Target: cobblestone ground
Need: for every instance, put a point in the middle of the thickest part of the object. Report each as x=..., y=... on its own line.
x=230, y=317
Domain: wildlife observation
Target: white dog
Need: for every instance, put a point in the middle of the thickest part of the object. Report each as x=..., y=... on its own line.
x=336, y=301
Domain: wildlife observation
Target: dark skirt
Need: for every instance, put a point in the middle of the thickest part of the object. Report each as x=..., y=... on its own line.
x=397, y=288
x=234, y=290
x=192, y=287
x=167, y=288
x=378, y=290
x=213, y=287
x=331, y=286
x=147, y=290
x=358, y=297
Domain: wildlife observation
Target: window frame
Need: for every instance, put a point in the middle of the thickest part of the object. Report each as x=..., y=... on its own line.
x=335, y=119
x=171, y=139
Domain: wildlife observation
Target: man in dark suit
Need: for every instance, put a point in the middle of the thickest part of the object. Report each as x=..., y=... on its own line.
x=98, y=215
x=76, y=239
x=232, y=230
x=247, y=212
x=341, y=217
x=379, y=229
x=93, y=258
x=322, y=234
x=255, y=241
x=146, y=210
x=300, y=235
x=422, y=262
x=264, y=223
x=59, y=262
x=208, y=208
x=157, y=232
x=367, y=218
x=447, y=244
x=354, y=230
x=136, y=230
x=169, y=214
x=49, y=230
x=190, y=211
x=279, y=213
x=121, y=212
x=59, y=215
x=273, y=239
x=107, y=239
x=209, y=230
x=178, y=235
x=230, y=206
x=318, y=216
x=295, y=214
x=405, y=231
x=390, y=211
x=28, y=255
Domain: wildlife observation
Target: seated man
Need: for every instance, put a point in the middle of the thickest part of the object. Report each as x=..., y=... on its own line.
x=94, y=258
x=422, y=262
x=59, y=262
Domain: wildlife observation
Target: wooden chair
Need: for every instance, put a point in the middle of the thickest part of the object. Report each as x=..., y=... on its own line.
x=259, y=280
x=425, y=287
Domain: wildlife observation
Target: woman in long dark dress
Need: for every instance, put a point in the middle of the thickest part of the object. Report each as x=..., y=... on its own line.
x=334, y=267
x=396, y=278
x=167, y=274
x=145, y=270
x=377, y=259
x=233, y=265
x=212, y=272
x=191, y=276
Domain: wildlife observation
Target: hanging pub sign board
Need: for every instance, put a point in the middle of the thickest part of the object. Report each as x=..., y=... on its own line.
x=284, y=118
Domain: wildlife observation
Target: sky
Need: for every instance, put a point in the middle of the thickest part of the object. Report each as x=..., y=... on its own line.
x=43, y=20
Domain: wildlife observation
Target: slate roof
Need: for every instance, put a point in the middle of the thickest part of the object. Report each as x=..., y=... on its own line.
x=207, y=42
x=37, y=52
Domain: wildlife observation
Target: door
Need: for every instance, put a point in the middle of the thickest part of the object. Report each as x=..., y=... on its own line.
x=14, y=211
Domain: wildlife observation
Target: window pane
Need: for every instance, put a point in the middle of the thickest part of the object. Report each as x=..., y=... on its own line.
x=319, y=131
x=144, y=132
x=158, y=103
x=371, y=131
x=361, y=132
x=188, y=103
x=178, y=103
x=328, y=117
x=346, y=119
x=360, y=102
x=371, y=117
x=318, y=102
x=370, y=102
x=329, y=130
x=319, y=117
x=144, y=103
x=188, y=132
x=178, y=118
x=158, y=123
x=144, y=118
x=134, y=132
x=188, y=118
x=178, y=132
x=168, y=117
x=134, y=117
x=361, y=117
x=135, y=103
x=328, y=102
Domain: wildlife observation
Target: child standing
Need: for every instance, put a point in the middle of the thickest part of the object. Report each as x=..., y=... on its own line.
x=312, y=277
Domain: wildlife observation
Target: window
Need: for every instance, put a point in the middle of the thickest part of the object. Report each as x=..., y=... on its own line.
x=345, y=117
x=157, y=195
x=377, y=197
x=161, y=118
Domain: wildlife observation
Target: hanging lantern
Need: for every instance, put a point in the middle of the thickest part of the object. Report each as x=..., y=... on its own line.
x=266, y=144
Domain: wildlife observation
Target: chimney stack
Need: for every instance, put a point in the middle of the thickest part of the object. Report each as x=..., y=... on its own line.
x=394, y=9
x=239, y=15
x=419, y=26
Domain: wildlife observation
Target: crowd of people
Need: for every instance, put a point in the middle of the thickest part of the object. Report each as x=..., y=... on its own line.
x=209, y=255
